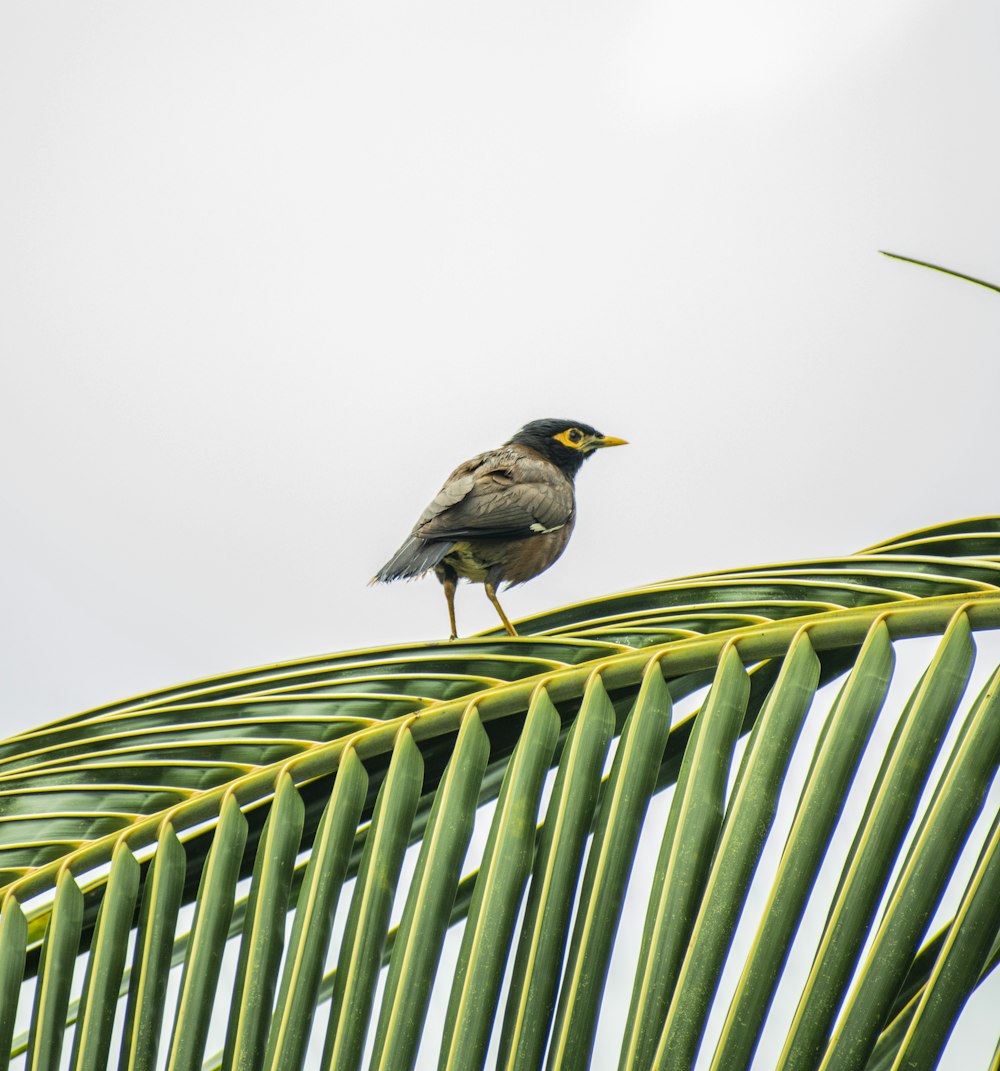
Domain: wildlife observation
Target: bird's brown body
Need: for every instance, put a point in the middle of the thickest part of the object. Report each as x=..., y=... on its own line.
x=503, y=516
x=514, y=491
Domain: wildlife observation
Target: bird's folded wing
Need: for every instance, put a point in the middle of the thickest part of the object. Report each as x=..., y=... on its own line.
x=505, y=494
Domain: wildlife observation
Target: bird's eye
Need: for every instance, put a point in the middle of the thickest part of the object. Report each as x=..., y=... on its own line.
x=574, y=435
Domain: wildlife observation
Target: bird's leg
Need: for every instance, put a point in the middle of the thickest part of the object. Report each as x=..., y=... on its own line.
x=449, y=594
x=491, y=594
x=448, y=578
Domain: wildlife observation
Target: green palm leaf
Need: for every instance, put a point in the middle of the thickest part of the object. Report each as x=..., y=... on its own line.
x=154, y=853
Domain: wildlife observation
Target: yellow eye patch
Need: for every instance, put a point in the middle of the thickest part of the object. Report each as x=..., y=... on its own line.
x=571, y=437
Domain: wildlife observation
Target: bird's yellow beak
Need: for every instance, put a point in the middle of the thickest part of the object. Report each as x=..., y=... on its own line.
x=607, y=440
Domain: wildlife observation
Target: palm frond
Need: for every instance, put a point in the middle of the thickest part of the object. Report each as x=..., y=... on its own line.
x=944, y=271
x=168, y=842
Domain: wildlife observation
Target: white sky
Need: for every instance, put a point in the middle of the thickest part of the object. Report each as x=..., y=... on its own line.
x=268, y=272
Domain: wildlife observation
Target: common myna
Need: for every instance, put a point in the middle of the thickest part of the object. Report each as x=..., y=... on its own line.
x=503, y=516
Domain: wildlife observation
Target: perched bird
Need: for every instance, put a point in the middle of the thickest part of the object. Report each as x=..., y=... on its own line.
x=503, y=516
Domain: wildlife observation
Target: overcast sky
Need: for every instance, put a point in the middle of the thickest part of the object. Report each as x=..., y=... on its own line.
x=268, y=272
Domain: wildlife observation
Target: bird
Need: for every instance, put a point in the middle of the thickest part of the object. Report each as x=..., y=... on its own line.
x=501, y=517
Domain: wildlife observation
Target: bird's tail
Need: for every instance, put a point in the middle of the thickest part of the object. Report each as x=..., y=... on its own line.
x=413, y=558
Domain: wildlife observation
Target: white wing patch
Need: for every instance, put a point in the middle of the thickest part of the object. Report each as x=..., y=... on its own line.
x=542, y=530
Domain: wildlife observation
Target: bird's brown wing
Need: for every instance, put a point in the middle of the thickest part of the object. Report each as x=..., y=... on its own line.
x=508, y=492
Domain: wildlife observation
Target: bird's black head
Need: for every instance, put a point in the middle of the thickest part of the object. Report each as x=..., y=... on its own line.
x=566, y=443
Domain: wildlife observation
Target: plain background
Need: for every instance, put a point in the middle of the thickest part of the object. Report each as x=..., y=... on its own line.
x=268, y=272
